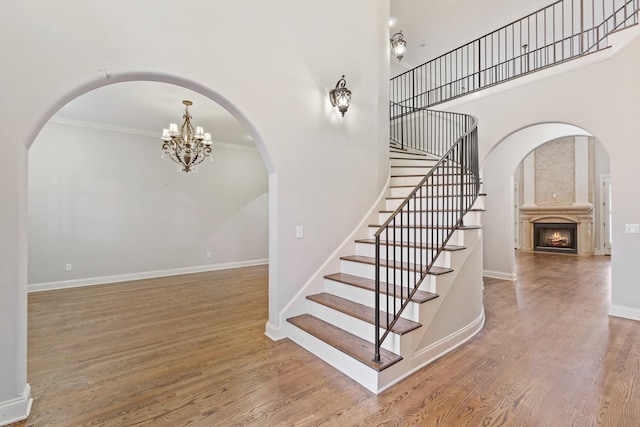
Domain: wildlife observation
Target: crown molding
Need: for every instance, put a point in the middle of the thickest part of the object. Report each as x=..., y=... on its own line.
x=100, y=126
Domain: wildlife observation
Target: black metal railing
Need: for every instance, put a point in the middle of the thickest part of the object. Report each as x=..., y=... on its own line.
x=564, y=30
x=410, y=241
x=408, y=244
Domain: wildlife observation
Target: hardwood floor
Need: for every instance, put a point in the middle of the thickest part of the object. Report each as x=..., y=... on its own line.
x=191, y=350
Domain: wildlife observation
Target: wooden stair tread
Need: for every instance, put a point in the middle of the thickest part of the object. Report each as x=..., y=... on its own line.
x=434, y=271
x=363, y=312
x=419, y=175
x=413, y=186
x=429, y=227
x=413, y=166
x=433, y=196
x=448, y=248
x=369, y=284
x=418, y=158
x=344, y=341
x=412, y=211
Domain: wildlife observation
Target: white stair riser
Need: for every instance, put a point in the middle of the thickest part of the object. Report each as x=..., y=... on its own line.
x=407, y=155
x=405, y=254
x=423, y=236
x=447, y=190
x=346, y=364
x=405, y=180
x=395, y=276
x=413, y=162
x=417, y=174
x=366, y=297
x=354, y=326
x=474, y=218
x=424, y=218
x=423, y=203
x=411, y=170
x=479, y=204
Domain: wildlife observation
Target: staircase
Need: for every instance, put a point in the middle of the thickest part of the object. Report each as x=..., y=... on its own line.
x=411, y=290
x=339, y=323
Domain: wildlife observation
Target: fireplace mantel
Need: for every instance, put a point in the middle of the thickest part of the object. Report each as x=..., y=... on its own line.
x=580, y=214
x=575, y=210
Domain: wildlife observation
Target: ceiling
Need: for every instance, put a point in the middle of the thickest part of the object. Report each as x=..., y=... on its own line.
x=150, y=107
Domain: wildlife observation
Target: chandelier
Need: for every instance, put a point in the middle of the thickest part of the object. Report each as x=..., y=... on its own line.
x=186, y=146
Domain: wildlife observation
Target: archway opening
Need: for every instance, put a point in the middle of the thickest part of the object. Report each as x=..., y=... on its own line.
x=498, y=181
x=104, y=207
x=105, y=204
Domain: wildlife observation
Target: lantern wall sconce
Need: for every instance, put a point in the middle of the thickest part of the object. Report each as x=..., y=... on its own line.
x=340, y=96
x=398, y=45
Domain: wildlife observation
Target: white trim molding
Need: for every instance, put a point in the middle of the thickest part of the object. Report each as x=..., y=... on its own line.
x=275, y=333
x=632, y=313
x=441, y=348
x=499, y=275
x=90, y=281
x=17, y=409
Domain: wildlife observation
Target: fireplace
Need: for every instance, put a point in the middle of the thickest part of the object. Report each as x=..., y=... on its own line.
x=555, y=237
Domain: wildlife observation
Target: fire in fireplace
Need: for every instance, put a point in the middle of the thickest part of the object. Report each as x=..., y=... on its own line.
x=555, y=237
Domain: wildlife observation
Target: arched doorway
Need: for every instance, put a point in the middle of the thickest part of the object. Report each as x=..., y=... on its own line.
x=498, y=183
x=560, y=195
x=104, y=207
x=18, y=295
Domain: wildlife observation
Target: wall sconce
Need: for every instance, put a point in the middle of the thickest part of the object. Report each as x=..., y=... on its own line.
x=340, y=96
x=398, y=45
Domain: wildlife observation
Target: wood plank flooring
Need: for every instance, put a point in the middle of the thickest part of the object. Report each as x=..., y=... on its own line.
x=191, y=350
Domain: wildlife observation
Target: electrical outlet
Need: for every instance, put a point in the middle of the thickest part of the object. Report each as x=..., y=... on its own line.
x=632, y=228
x=299, y=232
x=68, y=267
x=208, y=254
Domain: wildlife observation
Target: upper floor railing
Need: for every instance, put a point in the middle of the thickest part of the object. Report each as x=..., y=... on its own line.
x=562, y=31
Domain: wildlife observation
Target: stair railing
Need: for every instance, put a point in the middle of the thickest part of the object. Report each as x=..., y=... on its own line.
x=409, y=242
x=564, y=30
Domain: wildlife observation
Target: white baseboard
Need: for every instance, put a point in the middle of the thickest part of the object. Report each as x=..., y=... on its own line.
x=275, y=333
x=440, y=348
x=499, y=275
x=17, y=409
x=90, y=281
x=632, y=313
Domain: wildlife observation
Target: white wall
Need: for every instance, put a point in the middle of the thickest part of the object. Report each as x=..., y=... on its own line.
x=433, y=28
x=324, y=170
x=601, y=97
x=106, y=203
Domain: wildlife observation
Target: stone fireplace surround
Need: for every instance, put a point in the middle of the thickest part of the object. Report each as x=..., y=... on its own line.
x=580, y=215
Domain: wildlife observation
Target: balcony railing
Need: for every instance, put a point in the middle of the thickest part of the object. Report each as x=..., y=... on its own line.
x=565, y=30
